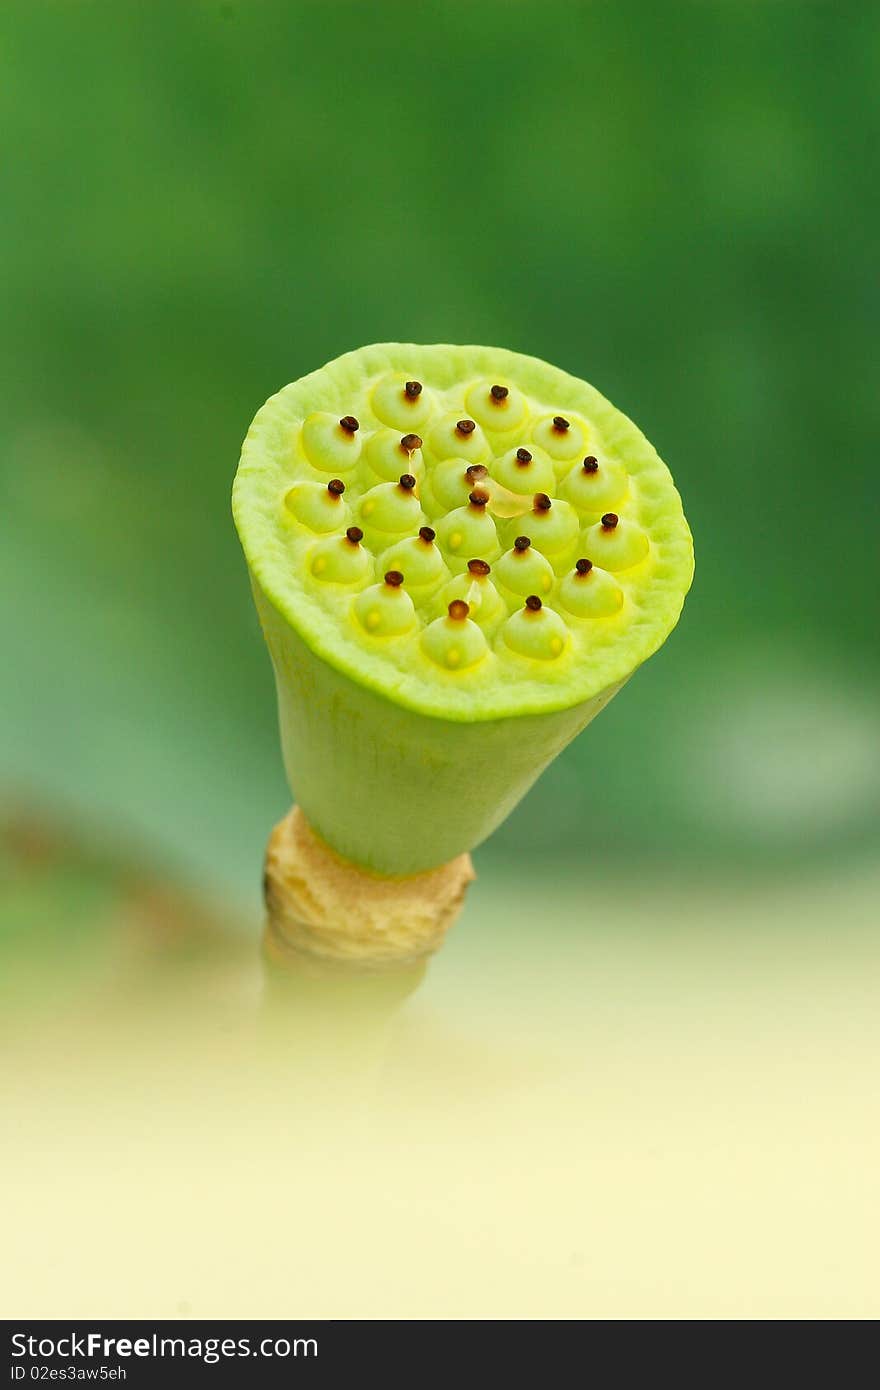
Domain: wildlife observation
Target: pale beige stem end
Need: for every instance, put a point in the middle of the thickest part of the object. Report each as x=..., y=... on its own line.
x=326, y=911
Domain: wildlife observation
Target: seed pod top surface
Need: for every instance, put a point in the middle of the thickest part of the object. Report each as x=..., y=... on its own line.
x=296, y=438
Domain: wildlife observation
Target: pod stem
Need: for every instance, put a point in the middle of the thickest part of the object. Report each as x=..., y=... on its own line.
x=331, y=920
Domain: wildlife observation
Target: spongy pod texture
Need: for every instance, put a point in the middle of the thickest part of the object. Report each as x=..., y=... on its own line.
x=409, y=732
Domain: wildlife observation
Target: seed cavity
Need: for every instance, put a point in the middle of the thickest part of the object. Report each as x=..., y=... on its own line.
x=410, y=442
x=499, y=393
x=349, y=424
x=413, y=389
x=354, y=534
x=479, y=567
x=336, y=486
x=533, y=603
x=583, y=566
x=466, y=427
x=609, y=521
x=561, y=424
x=478, y=498
x=394, y=579
x=427, y=534
x=459, y=610
x=542, y=502
x=407, y=482
x=522, y=543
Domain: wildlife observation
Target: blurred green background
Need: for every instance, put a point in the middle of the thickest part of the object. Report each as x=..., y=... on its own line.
x=204, y=201
x=656, y=1101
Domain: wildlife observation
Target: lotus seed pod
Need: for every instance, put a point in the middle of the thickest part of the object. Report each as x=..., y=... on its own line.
x=497, y=406
x=319, y=506
x=332, y=443
x=468, y=531
x=553, y=527
x=477, y=590
x=595, y=485
x=525, y=470
x=401, y=402
x=458, y=436
x=455, y=642
x=536, y=632
x=615, y=543
x=589, y=592
x=389, y=454
x=390, y=509
x=419, y=558
x=340, y=559
x=452, y=482
x=523, y=570
x=399, y=763
x=563, y=437
x=386, y=609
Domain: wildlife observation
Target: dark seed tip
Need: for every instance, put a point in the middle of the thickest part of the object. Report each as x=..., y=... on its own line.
x=478, y=567
x=560, y=423
x=523, y=457
x=336, y=486
x=413, y=389
x=427, y=534
x=522, y=543
x=407, y=482
x=478, y=498
x=477, y=470
x=458, y=610
x=465, y=426
x=349, y=424
x=499, y=393
x=542, y=502
x=533, y=603
x=609, y=521
x=583, y=566
x=354, y=534
x=591, y=464
x=394, y=578
x=411, y=442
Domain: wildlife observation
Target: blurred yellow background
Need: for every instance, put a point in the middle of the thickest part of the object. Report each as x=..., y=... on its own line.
x=640, y=1080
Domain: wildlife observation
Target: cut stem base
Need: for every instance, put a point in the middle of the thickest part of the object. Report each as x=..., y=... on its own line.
x=331, y=917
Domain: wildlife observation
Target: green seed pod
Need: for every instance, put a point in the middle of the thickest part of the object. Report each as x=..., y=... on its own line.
x=386, y=609
x=331, y=443
x=340, y=559
x=390, y=454
x=588, y=592
x=468, y=531
x=595, y=485
x=615, y=543
x=318, y=506
x=525, y=470
x=401, y=760
x=498, y=407
x=455, y=642
x=522, y=570
x=536, y=632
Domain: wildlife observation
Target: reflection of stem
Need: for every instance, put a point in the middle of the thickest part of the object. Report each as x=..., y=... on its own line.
x=344, y=948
